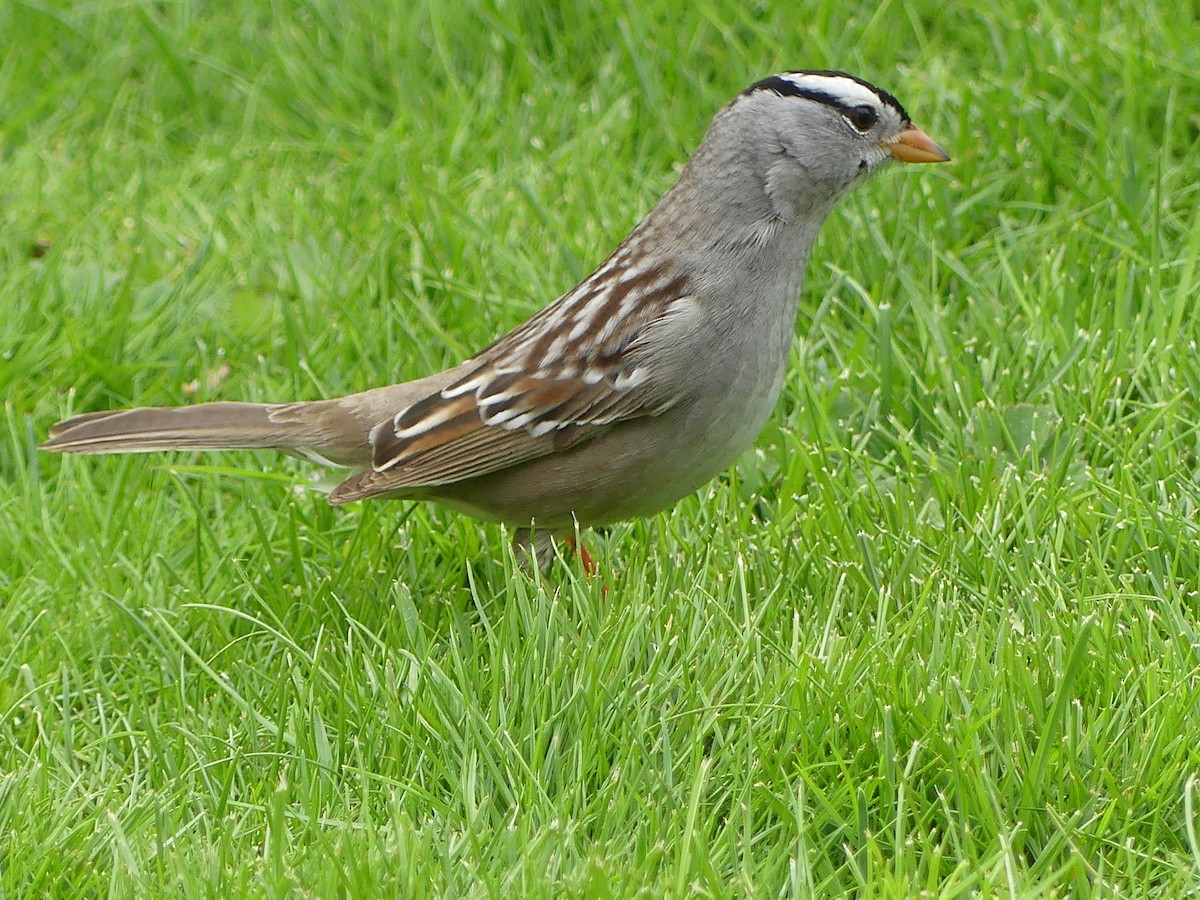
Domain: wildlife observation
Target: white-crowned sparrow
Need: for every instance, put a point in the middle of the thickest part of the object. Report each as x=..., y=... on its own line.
x=632, y=389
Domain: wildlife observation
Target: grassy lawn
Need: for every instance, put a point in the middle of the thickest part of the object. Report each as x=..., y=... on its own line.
x=938, y=634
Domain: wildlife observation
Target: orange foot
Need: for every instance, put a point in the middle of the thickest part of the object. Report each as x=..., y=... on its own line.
x=590, y=567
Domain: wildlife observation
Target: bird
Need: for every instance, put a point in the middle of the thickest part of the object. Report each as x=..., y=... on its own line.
x=629, y=391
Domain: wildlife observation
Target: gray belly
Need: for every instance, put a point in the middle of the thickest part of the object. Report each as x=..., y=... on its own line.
x=641, y=466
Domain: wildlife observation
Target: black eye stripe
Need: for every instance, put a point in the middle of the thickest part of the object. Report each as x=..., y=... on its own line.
x=785, y=87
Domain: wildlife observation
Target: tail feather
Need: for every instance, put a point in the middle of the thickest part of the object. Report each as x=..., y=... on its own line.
x=315, y=428
x=334, y=432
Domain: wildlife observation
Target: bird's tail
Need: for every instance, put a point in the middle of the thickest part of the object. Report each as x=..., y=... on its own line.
x=321, y=429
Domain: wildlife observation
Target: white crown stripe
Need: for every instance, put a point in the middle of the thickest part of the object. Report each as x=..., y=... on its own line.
x=845, y=90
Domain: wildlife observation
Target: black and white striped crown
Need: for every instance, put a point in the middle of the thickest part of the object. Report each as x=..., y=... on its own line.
x=837, y=89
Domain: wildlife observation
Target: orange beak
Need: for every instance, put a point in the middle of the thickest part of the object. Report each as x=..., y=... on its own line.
x=915, y=146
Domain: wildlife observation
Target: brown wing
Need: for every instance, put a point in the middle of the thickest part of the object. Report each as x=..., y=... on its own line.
x=571, y=371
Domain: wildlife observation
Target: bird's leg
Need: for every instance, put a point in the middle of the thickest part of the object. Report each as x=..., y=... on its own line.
x=591, y=568
x=534, y=552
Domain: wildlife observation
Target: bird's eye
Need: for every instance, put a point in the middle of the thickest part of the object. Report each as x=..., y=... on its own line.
x=862, y=117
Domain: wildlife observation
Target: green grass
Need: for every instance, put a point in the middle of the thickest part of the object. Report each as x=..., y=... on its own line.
x=936, y=635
